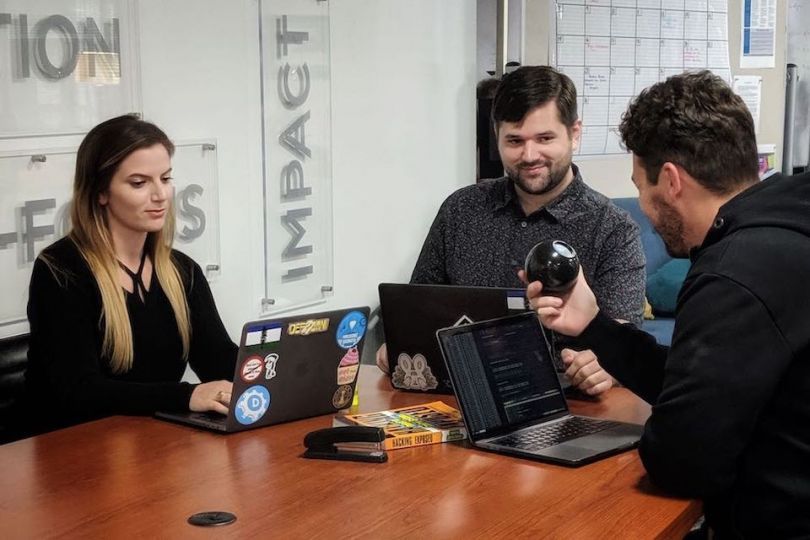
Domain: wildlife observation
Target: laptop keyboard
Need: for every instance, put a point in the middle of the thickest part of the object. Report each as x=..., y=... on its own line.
x=544, y=436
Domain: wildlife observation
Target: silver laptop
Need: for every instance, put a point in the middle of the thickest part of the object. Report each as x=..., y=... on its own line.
x=512, y=401
x=290, y=368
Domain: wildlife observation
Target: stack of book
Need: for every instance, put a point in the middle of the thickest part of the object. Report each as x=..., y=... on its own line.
x=404, y=427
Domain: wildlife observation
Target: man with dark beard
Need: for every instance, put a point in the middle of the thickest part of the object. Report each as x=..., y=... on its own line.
x=730, y=413
x=483, y=232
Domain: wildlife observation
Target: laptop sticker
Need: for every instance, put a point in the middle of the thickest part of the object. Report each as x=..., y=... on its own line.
x=516, y=300
x=413, y=373
x=351, y=329
x=260, y=334
x=270, y=365
x=348, y=367
x=343, y=396
x=309, y=326
x=251, y=368
x=252, y=405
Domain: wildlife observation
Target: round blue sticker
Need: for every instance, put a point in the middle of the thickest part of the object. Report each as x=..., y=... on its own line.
x=351, y=329
x=252, y=405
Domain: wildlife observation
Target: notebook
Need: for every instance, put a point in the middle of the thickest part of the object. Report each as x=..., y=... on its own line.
x=290, y=368
x=512, y=401
x=411, y=314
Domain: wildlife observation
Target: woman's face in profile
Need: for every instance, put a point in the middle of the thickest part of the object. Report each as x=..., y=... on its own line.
x=140, y=192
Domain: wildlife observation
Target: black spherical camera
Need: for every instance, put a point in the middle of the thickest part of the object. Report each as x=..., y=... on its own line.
x=555, y=264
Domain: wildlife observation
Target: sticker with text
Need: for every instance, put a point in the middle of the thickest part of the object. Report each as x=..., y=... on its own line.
x=348, y=367
x=351, y=329
x=309, y=326
x=251, y=368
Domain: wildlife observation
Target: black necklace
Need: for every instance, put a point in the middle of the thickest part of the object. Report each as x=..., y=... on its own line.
x=137, y=277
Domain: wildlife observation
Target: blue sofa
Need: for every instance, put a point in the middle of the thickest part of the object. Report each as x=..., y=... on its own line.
x=655, y=252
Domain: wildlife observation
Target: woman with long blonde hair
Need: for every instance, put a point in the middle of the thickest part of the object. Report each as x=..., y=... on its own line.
x=115, y=313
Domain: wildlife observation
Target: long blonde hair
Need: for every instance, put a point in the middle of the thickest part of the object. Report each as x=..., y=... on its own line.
x=99, y=156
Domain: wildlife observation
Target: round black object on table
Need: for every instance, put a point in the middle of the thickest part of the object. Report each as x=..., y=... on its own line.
x=211, y=519
x=555, y=264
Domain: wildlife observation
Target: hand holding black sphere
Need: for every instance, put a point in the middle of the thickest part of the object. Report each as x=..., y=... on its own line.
x=555, y=264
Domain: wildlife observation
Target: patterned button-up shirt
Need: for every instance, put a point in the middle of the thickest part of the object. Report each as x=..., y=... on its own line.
x=481, y=236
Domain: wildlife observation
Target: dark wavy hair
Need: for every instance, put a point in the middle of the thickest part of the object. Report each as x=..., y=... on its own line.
x=529, y=87
x=696, y=121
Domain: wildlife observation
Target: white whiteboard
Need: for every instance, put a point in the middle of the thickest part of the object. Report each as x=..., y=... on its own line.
x=613, y=49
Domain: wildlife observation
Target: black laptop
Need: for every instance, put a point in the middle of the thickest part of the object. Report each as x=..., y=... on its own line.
x=411, y=314
x=512, y=401
x=290, y=368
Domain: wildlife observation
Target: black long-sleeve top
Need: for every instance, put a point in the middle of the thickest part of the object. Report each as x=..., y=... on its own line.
x=730, y=420
x=69, y=380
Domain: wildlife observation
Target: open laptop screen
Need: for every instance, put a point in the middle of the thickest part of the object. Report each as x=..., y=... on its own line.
x=502, y=373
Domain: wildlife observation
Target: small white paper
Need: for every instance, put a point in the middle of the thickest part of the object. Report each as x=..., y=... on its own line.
x=749, y=88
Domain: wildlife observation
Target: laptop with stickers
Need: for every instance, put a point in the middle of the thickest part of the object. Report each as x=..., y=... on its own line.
x=512, y=401
x=411, y=314
x=290, y=368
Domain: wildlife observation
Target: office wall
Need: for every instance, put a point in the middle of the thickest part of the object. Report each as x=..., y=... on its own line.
x=403, y=131
x=611, y=175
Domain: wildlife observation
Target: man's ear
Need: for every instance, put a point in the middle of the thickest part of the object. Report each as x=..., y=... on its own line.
x=672, y=177
x=576, y=134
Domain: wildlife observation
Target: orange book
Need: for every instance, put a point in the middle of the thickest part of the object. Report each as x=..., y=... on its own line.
x=416, y=425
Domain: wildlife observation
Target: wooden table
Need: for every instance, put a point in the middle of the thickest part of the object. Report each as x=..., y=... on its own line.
x=141, y=478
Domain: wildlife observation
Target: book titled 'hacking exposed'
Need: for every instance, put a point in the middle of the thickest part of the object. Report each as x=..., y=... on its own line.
x=416, y=425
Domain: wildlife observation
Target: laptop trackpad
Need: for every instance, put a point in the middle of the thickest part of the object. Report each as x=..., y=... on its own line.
x=568, y=452
x=590, y=446
x=607, y=440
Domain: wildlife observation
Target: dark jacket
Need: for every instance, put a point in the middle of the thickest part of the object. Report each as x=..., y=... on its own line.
x=730, y=420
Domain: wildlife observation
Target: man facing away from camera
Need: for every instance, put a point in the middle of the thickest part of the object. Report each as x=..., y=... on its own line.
x=730, y=421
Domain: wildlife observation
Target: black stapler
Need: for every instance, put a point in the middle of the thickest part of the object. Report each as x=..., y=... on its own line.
x=350, y=443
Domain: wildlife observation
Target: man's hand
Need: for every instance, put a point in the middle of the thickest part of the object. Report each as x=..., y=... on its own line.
x=211, y=396
x=567, y=314
x=585, y=373
x=382, y=359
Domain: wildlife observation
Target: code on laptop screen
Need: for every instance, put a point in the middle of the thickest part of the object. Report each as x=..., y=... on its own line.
x=503, y=374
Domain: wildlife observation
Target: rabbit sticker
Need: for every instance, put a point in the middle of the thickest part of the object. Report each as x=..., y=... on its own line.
x=413, y=373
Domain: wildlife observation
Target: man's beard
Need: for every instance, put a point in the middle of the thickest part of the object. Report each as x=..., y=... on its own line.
x=669, y=226
x=552, y=178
